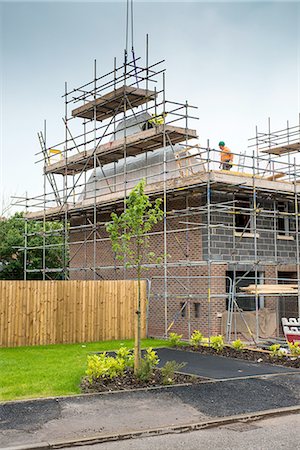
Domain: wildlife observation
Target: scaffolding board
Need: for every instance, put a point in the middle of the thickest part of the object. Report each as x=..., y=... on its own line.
x=112, y=151
x=113, y=103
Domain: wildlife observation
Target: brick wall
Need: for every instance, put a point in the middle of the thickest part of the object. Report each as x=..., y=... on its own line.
x=186, y=242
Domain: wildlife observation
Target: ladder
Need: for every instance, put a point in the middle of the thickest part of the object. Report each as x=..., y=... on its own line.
x=241, y=163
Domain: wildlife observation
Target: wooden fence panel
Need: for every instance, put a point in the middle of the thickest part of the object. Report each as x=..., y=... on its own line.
x=55, y=312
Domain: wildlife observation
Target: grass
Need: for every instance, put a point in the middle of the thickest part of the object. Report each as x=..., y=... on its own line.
x=51, y=370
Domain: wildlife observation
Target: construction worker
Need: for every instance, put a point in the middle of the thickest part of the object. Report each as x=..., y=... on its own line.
x=157, y=119
x=226, y=157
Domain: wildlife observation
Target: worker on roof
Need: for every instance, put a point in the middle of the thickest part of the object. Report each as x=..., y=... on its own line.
x=158, y=119
x=226, y=157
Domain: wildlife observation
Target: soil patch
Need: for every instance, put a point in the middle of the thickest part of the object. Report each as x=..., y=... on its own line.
x=129, y=381
x=246, y=355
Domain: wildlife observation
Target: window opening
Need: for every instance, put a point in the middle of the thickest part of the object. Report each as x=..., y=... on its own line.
x=183, y=309
x=197, y=310
x=243, y=216
x=283, y=225
x=243, y=279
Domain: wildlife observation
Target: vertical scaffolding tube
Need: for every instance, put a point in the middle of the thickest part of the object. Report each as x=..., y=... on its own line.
x=125, y=146
x=297, y=233
x=95, y=176
x=254, y=210
x=25, y=238
x=208, y=200
x=65, y=191
x=44, y=204
x=165, y=211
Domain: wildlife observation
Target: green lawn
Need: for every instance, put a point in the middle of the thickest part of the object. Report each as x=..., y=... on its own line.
x=51, y=370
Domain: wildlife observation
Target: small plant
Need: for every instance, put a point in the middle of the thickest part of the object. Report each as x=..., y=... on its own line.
x=148, y=364
x=282, y=352
x=169, y=369
x=294, y=348
x=174, y=339
x=127, y=355
x=152, y=357
x=274, y=349
x=103, y=366
x=217, y=342
x=145, y=371
x=205, y=342
x=196, y=338
x=238, y=345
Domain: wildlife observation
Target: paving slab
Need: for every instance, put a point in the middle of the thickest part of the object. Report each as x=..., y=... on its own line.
x=69, y=418
x=218, y=367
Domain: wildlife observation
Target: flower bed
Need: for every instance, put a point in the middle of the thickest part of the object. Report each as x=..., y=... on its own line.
x=255, y=355
x=216, y=346
x=129, y=381
x=114, y=372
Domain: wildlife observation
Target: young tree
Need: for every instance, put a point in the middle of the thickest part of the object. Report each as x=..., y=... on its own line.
x=130, y=241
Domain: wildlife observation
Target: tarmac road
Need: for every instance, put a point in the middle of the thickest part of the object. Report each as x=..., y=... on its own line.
x=269, y=434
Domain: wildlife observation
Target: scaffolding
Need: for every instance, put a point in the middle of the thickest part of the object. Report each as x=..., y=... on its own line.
x=129, y=130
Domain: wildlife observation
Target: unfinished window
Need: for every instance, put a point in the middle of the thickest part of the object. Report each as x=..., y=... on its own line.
x=244, y=279
x=183, y=309
x=197, y=310
x=287, y=306
x=283, y=225
x=242, y=216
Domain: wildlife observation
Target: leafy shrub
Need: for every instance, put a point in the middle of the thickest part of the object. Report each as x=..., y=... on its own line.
x=217, y=342
x=152, y=357
x=294, y=348
x=274, y=349
x=282, y=352
x=148, y=364
x=145, y=371
x=196, y=338
x=127, y=355
x=238, y=345
x=103, y=366
x=174, y=339
x=205, y=342
x=169, y=369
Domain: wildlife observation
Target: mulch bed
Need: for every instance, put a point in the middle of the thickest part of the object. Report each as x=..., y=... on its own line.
x=247, y=355
x=129, y=381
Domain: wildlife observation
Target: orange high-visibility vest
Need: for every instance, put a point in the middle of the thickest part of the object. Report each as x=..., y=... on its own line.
x=226, y=155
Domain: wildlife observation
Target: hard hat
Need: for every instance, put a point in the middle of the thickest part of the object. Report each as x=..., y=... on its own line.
x=221, y=144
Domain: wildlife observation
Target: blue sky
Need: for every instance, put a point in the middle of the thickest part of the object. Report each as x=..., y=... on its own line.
x=239, y=62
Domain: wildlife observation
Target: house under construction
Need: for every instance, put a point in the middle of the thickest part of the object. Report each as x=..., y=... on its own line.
x=227, y=237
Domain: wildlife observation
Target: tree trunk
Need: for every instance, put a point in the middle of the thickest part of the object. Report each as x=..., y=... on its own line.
x=137, y=335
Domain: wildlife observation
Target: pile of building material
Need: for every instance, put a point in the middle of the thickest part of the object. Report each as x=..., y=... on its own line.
x=268, y=289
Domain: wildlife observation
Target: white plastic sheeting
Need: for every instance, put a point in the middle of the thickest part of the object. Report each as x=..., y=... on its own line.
x=150, y=165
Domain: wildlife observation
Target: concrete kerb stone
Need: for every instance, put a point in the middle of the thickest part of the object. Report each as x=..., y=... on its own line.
x=101, y=438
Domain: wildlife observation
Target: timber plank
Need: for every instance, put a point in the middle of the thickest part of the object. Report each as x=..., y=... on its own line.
x=113, y=102
x=137, y=143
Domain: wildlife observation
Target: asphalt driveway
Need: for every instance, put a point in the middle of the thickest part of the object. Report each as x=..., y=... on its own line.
x=218, y=367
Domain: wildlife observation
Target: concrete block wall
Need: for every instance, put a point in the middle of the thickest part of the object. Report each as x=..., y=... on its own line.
x=222, y=246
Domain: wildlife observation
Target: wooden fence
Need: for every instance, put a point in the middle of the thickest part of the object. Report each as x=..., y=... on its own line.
x=52, y=312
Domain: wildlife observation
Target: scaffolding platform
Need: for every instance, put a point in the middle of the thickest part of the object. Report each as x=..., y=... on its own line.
x=223, y=179
x=112, y=151
x=113, y=103
x=283, y=149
